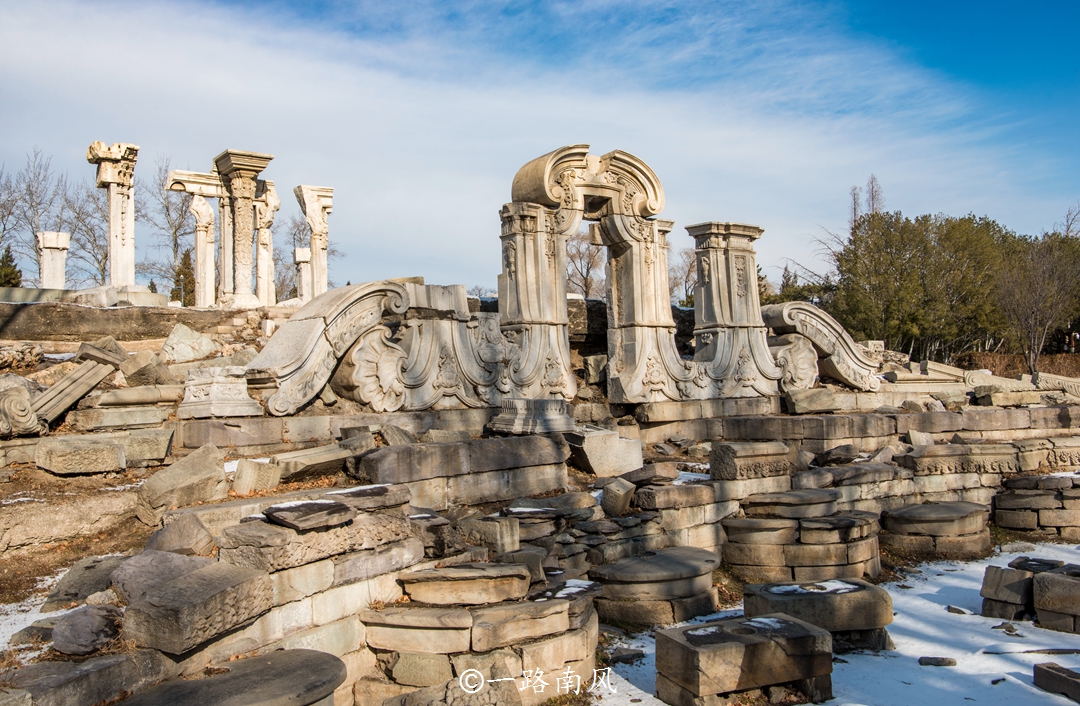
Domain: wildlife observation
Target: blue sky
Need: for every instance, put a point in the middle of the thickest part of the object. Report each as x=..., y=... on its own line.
x=764, y=113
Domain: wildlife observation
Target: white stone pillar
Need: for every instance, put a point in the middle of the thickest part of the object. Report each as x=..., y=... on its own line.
x=317, y=202
x=116, y=169
x=302, y=258
x=238, y=172
x=267, y=204
x=225, y=248
x=204, y=251
x=52, y=248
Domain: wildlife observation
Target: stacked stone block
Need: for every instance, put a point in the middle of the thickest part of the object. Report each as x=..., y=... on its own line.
x=799, y=535
x=948, y=530
x=1056, y=595
x=1048, y=505
x=670, y=586
x=1008, y=593
x=706, y=663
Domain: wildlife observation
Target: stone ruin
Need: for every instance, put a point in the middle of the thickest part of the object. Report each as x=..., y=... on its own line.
x=396, y=494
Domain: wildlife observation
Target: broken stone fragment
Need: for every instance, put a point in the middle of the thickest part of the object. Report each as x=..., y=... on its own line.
x=66, y=456
x=310, y=514
x=86, y=629
x=145, y=368
x=139, y=574
x=186, y=534
x=87, y=576
x=197, y=477
x=467, y=584
x=184, y=345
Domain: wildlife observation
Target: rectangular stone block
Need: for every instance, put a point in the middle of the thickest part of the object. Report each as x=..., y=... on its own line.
x=1052, y=620
x=197, y=477
x=367, y=564
x=98, y=680
x=337, y=638
x=1058, y=590
x=746, y=460
x=1059, y=518
x=501, y=453
x=506, y=625
x=742, y=653
x=1007, y=585
x=1056, y=679
x=509, y=484
x=256, y=431
x=929, y=422
x=341, y=601
x=709, y=537
x=104, y=418
x=1002, y=610
x=252, y=476
x=1028, y=500
x=995, y=419
x=414, y=462
x=198, y=606
x=724, y=490
x=654, y=497
x=551, y=653
x=814, y=554
x=302, y=581
x=423, y=630
x=268, y=547
x=68, y=455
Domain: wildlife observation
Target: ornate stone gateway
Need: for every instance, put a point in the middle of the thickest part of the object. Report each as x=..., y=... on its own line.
x=442, y=356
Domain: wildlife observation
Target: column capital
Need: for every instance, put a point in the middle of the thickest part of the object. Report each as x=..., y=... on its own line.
x=715, y=234
x=115, y=163
x=238, y=163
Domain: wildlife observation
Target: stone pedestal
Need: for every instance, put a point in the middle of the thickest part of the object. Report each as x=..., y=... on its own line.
x=317, y=202
x=238, y=170
x=52, y=248
x=217, y=392
x=302, y=260
x=520, y=416
x=116, y=168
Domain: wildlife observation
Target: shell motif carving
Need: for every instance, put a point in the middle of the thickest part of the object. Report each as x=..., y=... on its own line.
x=17, y=417
x=379, y=363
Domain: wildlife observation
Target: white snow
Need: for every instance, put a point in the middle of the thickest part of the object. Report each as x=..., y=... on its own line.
x=832, y=586
x=358, y=487
x=297, y=503
x=688, y=477
x=922, y=627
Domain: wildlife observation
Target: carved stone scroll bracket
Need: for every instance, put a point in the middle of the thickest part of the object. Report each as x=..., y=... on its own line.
x=1044, y=381
x=839, y=357
x=301, y=356
x=17, y=416
x=798, y=359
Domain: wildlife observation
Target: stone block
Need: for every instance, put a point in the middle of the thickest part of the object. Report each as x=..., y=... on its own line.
x=145, y=368
x=499, y=534
x=367, y=564
x=815, y=554
x=995, y=419
x=467, y=584
x=304, y=515
x=494, y=486
x=198, y=606
x=86, y=629
x=656, y=497
x=184, y=345
x=217, y=392
x=761, y=574
x=1058, y=590
x=616, y=497
x=118, y=418
x=197, y=477
x=792, y=504
x=300, y=582
x=1027, y=500
x=836, y=605
x=831, y=530
x=65, y=456
x=1002, y=610
x=140, y=574
x=1056, y=679
x=1059, y=518
x=1007, y=585
x=603, y=452
x=252, y=476
x=512, y=624
x=748, y=460
x=813, y=401
x=423, y=630
x=937, y=519
x=738, y=489
x=372, y=497
x=737, y=654
x=754, y=554
x=656, y=612
x=1051, y=620
x=268, y=547
x=549, y=654
x=87, y=576
x=502, y=453
x=414, y=462
x=418, y=669
x=760, y=530
x=337, y=638
x=342, y=601
x=97, y=680
x=963, y=546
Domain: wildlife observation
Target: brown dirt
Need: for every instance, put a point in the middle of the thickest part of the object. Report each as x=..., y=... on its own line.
x=1012, y=365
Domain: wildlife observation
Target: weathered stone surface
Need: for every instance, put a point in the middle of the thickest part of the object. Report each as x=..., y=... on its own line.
x=653, y=474
x=837, y=605
x=118, y=418
x=268, y=547
x=424, y=630
x=93, y=681
x=193, y=608
x=418, y=669
x=443, y=435
x=512, y=624
x=792, y=504
x=956, y=458
x=1002, y=610
x=616, y=497
x=748, y=460
x=754, y=554
x=830, y=530
x=1056, y=679
x=89, y=575
x=1058, y=590
x=499, y=534
x=143, y=572
x=252, y=476
x=184, y=535
x=673, y=496
x=1027, y=500
x=317, y=461
x=760, y=530
x=946, y=519
x=742, y=653
x=1017, y=519
x=467, y=584
x=813, y=401
x=837, y=455
x=291, y=676
x=145, y=368
x=415, y=462
x=1007, y=585
x=372, y=497
x=815, y=554
x=657, y=612
x=86, y=629
x=1052, y=620
x=493, y=486
x=739, y=489
x=197, y=477
x=184, y=345
x=302, y=515
x=66, y=456
x=603, y=452
x=363, y=565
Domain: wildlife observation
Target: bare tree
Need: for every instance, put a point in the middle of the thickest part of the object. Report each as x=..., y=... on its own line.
x=289, y=233
x=1037, y=289
x=86, y=217
x=480, y=291
x=682, y=277
x=39, y=205
x=1070, y=226
x=875, y=200
x=170, y=219
x=9, y=199
x=584, y=265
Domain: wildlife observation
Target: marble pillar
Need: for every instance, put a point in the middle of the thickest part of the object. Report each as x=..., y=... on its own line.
x=115, y=171
x=317, y=202
x=239, y=171
x=302, y=259
x=204, y=251
x=267, y=204
x=52, y=249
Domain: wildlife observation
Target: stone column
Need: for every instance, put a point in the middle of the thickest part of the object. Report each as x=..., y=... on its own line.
x=267, y=204
x=116, y=168
x=728, y=327
x=317, y=202
x=52, y=248
x=302, y=258
x=238, y=172
x=225, y=247
x=204, y=251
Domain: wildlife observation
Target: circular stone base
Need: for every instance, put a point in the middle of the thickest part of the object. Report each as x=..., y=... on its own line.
x=949, y=519
x=657, y=612
x=960, y=547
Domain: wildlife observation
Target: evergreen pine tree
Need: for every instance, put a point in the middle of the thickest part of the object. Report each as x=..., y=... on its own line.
x=153, y=287
x=10, y=274
x=184, y=281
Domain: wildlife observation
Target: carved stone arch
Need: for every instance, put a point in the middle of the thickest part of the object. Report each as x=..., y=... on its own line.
x=302, y=355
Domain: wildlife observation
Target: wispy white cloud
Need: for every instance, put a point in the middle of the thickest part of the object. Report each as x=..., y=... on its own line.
x=765, y=114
